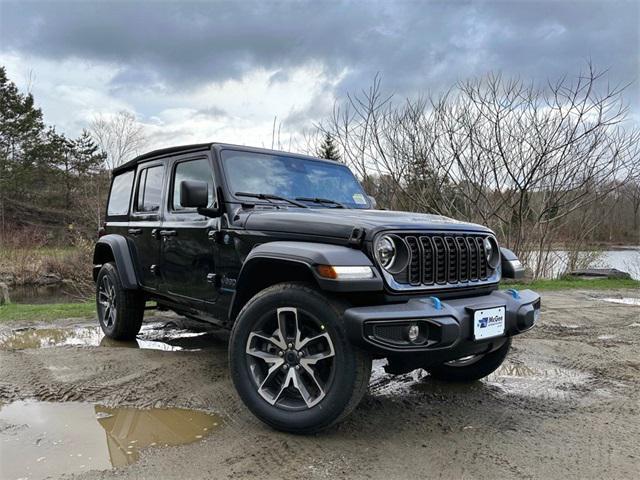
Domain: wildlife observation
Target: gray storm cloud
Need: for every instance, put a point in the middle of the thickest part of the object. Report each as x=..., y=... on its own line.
x=410, y=43
x=417, y=47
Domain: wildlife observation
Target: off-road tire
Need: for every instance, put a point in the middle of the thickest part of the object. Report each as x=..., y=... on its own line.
x=129, y=306
x=483, y=367
x=352, y=366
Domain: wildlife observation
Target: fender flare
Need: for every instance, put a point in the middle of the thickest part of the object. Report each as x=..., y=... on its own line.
x=119, y=248
x=303, y=256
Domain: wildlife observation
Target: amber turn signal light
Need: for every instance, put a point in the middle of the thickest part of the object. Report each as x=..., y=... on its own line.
x=344, y=272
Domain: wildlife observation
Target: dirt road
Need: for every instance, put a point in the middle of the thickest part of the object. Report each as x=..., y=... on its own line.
x=566, y=404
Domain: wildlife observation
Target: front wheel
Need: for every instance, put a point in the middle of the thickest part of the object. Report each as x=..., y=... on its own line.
x=471, y=368
x=291, y=361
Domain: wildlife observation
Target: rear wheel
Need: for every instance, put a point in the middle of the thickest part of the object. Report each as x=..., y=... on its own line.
x=473, y=367
x=291, y=362
x=120, y=311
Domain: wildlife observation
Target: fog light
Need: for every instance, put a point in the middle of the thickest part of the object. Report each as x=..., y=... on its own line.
x=413, y=332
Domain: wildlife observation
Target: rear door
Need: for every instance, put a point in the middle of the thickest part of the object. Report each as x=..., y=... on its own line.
x=145, y=222
x=188, y=250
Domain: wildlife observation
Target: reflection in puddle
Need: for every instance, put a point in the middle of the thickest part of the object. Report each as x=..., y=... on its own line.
x=549, y=381
x=534, y=381
x=382, y=383
x=152, y=336
x=40, y=439
x=623, y=301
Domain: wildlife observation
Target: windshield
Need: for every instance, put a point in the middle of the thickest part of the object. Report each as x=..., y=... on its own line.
x=292, y=178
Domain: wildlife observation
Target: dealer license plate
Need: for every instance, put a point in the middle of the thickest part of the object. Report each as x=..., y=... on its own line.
x=488, y=323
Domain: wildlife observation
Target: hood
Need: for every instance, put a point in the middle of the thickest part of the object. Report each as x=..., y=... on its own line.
x=335, y=222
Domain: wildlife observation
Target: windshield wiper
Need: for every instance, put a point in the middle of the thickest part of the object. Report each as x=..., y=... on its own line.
x=321, y=200
x=269, y=196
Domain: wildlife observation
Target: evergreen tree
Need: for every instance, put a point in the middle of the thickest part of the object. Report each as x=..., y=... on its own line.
x=21, y=136
x=46, y=179
x=328, y=149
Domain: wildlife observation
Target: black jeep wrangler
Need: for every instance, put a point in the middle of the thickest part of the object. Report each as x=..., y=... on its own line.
x=288, y=252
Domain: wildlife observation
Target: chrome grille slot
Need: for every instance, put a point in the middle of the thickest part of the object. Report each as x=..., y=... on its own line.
x=453, y=264
x=414, y=265
x=474, y=266
x=440, y=253
x=463, y=259
x=482, y=271
x=428, y=263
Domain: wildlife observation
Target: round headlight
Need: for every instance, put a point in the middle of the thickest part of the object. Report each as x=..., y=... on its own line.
x=385, y=250
x=392, y=253
x=492, y=252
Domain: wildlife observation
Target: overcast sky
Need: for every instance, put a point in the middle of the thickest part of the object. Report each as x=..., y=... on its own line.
x=221, y=71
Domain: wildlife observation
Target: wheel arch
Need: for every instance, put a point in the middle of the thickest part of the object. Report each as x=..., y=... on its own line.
x=262, y=272
x=114, y=248
x=283, y=261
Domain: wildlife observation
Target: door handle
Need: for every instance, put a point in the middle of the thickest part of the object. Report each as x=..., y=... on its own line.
x=168, y=233
x=135, y=231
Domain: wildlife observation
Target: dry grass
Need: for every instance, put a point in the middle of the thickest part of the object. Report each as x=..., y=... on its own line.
x=27, y=259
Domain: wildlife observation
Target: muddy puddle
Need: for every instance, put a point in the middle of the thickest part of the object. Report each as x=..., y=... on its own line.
x=623, y=301
x=540, y=381
x=537, y=381
x=154, y=336
x=41, y=439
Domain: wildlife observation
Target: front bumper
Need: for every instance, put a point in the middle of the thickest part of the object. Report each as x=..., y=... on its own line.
x=446, y=333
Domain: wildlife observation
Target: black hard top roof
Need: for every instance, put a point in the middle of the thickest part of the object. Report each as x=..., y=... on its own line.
x=165, y=152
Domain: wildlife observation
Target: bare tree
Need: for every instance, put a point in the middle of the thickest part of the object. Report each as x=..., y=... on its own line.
x=632, y=194
x=119, y=136
x=514, y=156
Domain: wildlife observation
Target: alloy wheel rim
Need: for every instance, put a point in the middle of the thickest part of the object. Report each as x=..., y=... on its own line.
x=107, y=301
x=291, y=359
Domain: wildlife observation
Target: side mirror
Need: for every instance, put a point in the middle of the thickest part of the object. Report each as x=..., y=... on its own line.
x=194, y=194
x=373, y=202
x=511, y=266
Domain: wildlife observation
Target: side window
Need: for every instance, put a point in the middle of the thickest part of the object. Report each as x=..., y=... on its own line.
x=191, y=170
x=120, y=194
x=150, y=189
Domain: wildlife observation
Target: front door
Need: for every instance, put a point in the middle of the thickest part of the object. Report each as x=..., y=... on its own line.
x=188, y=251
x=145, y=223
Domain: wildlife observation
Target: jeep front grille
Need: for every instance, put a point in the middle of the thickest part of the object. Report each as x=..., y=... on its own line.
x=444, y=260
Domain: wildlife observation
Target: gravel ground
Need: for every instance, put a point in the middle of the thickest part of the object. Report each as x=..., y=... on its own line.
x=566, y=403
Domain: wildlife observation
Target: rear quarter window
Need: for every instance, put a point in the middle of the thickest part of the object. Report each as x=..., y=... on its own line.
x=120, y=194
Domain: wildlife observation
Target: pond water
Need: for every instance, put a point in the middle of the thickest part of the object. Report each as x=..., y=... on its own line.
x=42, y=440
x=43, y=294
x=625, y=259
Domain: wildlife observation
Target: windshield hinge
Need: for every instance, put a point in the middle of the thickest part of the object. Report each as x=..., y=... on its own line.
x=356, y=239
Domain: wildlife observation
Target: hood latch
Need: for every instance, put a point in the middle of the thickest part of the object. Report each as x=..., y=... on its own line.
x=356, y=239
